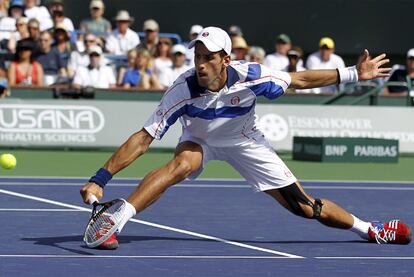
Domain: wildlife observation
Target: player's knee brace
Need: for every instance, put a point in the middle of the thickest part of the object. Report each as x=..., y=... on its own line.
x=294, y=196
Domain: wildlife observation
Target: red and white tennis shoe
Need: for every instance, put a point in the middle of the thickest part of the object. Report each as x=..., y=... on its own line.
x=110, y=243
x=392, y=232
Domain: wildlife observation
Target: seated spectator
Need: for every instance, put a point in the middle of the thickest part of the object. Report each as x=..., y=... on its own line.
x=81, y=58
x=131, y=60
x=325, y=58
x=162, y=61
x=8, y=23
x=179, y=65
x=50, y=60
x=96, y=23
x=295, y=56
x=151, y=29
x=194, y=31
x=41, y=13
x=235, y=31
x=256, y=54
x=141, y=76
x=239, y=48
x=94, y=75
x=21, y=32
x=56, y=9
x=23, y=70
x=4, y=4
x=402, y=73
x=34, y=34
x=278, y=60
x=63, y=44
x=122, y=38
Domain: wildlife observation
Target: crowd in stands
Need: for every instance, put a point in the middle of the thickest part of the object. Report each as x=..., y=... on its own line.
x=48, y=49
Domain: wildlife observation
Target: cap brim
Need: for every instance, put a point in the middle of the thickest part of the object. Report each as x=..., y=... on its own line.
x=207, y=43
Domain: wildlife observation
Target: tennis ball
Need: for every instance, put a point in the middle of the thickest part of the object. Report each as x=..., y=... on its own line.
x=8, y=161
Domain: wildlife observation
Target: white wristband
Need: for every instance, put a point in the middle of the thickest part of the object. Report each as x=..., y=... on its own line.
x=348, y=75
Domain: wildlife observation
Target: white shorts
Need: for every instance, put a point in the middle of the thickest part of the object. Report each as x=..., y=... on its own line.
x=256, y=161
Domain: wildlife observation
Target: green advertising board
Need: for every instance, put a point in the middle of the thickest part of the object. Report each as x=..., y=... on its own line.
x=337, y=149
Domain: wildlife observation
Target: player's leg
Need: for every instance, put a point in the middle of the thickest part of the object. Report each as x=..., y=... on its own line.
x=188, y=158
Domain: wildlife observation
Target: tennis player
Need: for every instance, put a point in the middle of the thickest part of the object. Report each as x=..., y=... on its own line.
x=215, y=103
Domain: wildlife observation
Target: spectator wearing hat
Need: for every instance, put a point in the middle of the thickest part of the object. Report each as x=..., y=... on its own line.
x=295, y=55
x=151, y=30
x=8, y=23
x=23, y=70
x=21, y=32
x=96, y=23
x=141, y=76
x=62, y=43
x=194, y=31
x=57, y=11
x=95, y=74
x=41, y=13
x=235, y=31
x=50, y=59
x=122, y=38
x=278, y=60
x=402, y=73
x=178, y=67
x=325, y=58
x=256, y=54
x=239, y=48
x=162, y=61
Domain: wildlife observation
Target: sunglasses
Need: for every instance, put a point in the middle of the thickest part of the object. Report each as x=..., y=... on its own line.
x=89, y=41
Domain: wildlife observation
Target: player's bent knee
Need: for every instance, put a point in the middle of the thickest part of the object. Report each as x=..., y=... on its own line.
x=183, y=168
x=299, y=203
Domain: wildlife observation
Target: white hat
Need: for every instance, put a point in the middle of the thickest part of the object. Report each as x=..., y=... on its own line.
x=178, y=48
x=196, y=29
x=214, y=38
x=151, y=25
x=410, y=53
x=95, y=49
x=123, y=15
x=96, y=4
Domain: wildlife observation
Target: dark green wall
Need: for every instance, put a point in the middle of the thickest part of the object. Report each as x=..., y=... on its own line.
x=380, y=25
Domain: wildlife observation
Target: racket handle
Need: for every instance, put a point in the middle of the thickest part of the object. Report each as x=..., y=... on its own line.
x=92, y=199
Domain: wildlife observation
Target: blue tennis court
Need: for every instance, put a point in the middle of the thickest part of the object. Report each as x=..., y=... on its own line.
x=198, y=228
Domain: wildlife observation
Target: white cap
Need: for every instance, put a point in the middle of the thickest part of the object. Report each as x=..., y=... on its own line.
x=196, y=29
x=96, y=4
x=95, y=49
x=178, y=48
x=410, y=53
x=214, y=38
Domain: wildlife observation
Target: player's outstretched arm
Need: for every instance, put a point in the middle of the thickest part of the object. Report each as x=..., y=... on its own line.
x=136, y=145
x=365, y=69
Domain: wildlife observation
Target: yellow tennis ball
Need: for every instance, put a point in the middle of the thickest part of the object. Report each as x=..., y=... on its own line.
x=8, y=161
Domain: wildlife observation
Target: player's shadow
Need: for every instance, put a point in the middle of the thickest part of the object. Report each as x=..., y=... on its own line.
x=56, y=241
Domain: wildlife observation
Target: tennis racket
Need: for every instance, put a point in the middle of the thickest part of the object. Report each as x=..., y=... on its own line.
x=105, y=220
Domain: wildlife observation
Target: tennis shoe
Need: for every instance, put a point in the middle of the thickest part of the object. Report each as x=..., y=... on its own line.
x=110, y=243
x=392, y=232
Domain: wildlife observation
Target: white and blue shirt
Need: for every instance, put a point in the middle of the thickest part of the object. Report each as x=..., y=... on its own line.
x=221, y=118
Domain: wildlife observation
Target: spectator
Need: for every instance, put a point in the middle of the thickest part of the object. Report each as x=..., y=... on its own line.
x=96, y=23
x=235, y=31
x=21, y=32
x=163, y=62
x=325, y=58
x=63, y=44
x=81, y=58
x=4, y=4
x=34, y=34
x=131, y=60
x=4, y=88
x=50, y=60
x=141, y=76
x=278, y=60
x=239, y=48
x=23, y=69
x=122, y=38
x=256, y=54
x=95, y=74
x=194, y=31
x=151, y=29
x=8, y=23
x=56, y=9
x=295, y=56
x=179, y=65
x=40, y=13
x=400, y=73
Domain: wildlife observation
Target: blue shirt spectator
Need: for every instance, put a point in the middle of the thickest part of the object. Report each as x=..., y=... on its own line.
x=133, y=77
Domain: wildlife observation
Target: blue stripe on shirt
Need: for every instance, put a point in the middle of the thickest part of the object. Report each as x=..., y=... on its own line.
x=268, y=89
x=254, y=72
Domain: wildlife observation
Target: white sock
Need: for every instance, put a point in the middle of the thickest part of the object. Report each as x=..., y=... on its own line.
x=129, y=212
x=360, y=227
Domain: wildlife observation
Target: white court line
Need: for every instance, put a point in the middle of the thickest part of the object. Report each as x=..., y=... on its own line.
x=38, y=210
x=365, y=258
x=194, y=234
x=141, y=257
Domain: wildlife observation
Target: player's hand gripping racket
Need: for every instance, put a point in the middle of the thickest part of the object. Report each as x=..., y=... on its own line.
x=105, y=220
